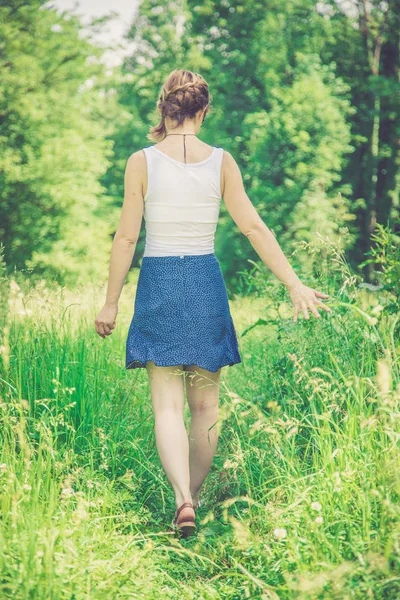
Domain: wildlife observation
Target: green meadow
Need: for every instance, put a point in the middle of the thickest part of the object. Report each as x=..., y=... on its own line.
x=302, y=500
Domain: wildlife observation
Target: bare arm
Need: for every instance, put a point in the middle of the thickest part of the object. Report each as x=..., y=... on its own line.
x=125, y=240
x=263, y=240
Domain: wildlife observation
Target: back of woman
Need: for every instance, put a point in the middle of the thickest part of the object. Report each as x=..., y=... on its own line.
x=181, y=313
x=182, y=201
x=182, y=330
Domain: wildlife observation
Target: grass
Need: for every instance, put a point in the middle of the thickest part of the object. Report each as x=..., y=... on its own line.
x=302, y=501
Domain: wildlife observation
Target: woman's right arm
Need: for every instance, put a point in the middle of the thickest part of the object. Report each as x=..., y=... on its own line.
x=263, y=240
x=124, y=242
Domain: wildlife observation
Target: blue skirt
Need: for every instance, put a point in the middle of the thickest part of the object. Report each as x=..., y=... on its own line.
x=181, y=314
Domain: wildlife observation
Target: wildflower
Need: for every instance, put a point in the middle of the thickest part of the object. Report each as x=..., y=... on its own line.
x=319, y=519
x=81, y=513
x=230, y=464
x=67, y=492
x=280, y=533
x=316, y=506
x=273, y=405
x=26, y=486
x=3, y=467
x=338, y=482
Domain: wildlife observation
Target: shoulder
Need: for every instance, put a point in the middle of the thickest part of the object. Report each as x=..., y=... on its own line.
x=229, y=164
x=137, y=162
x=228, y=159
x=231, y=175
x=137, y=158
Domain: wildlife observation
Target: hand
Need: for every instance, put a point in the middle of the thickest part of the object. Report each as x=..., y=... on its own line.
x=105, y=321
x=304, y=297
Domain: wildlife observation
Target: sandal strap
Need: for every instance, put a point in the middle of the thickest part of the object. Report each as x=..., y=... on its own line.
x=182, y=507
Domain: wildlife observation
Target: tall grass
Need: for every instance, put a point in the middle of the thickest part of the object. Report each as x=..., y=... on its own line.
x=303, y=498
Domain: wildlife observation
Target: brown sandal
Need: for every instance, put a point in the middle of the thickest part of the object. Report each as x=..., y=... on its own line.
x=186, y=525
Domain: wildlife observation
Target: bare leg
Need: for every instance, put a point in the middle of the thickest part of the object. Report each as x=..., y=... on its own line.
x=202, y=390
x=167, y=394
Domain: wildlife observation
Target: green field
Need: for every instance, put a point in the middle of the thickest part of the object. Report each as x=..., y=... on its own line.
x=302, y=500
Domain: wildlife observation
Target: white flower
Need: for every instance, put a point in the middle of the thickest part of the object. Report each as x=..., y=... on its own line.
x=316, y=506
x=319, y=519
x=280, y=533
x=338, y=482
x=81, y=513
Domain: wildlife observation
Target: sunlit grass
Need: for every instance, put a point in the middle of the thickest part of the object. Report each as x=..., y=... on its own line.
x=302, y=500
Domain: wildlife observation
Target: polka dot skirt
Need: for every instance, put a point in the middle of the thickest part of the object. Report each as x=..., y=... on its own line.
x=181, y=314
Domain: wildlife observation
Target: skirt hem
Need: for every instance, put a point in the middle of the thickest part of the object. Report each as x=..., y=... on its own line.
x=138, y=364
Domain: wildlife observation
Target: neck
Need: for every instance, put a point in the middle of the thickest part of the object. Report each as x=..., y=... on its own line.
x=180, y=133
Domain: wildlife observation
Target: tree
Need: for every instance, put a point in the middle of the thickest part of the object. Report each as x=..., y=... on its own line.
x=53, y=106
x=365, y=44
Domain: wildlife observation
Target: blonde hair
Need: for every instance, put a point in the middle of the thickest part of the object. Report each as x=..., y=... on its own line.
x=182, y=95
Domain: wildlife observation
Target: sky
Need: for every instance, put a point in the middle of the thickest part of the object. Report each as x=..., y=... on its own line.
x=115, y=28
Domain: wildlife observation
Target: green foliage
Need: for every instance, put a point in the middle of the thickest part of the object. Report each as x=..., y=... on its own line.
x=4, y=295
x=294, y=153
x=53, y=119
x=297, y=99
x=385, y=256
x=363, y=40
x=297, y=151
x=303, y=497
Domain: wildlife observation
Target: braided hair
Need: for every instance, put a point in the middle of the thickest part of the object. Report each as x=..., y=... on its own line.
x=182, y=95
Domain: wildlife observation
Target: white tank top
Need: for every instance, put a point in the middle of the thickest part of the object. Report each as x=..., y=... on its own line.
x=181, y=204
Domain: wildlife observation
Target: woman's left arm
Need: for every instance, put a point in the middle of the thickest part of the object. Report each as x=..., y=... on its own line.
x=124, y=243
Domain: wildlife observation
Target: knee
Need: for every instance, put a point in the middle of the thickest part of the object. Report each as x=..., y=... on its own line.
x=204, y=408
x=173, y=411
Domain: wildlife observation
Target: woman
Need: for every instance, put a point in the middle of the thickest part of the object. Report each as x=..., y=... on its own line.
x=182, y=330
